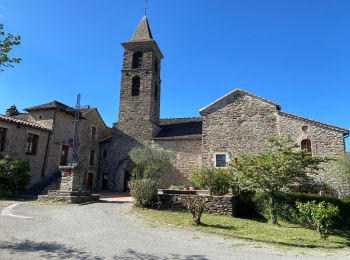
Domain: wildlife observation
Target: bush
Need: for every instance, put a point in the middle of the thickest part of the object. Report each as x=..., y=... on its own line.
x=144, y=191
x=321, y=215
x=252, y=204
x=14, y=175
x=150, y=161
x=217, y=181
x=147, y=163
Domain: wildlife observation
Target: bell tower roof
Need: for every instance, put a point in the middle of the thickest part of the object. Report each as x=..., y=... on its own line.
x=143, y=36
x=143, y=31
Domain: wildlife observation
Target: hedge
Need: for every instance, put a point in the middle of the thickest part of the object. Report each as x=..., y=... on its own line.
x=252, y=204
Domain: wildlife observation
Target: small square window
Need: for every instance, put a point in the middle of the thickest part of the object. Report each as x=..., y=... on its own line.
x=220, y=160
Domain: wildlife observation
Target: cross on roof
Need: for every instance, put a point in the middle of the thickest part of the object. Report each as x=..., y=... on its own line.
x=145, y=7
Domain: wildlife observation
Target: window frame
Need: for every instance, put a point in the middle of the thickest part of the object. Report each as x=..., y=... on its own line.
x=227, y=159
x=93, y=132
x=31, y=145
x=307, y=146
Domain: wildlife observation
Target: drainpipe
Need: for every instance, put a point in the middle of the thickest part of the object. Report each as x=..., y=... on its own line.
x=46, y=155
x=98, y=182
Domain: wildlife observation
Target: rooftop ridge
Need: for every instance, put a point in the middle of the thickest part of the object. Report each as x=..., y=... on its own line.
x=235, y=91
x=23, y=122
x=345, y=131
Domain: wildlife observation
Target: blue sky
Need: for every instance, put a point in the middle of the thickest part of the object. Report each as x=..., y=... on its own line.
x=293, y=52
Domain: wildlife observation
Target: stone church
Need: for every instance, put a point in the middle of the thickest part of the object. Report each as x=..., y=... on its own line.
x=235, y=123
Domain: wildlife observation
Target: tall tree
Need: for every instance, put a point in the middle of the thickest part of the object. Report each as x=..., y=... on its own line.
x=280, y=165
x=7, y=41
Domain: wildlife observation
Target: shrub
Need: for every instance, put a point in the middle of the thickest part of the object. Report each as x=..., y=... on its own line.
x=14, y=175
x=144, y=191
x=321, y=215
x=217, y=181
x=195, y=205
x=147, y=163
x=251, y=204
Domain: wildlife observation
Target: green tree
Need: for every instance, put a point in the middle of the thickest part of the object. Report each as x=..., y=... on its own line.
x=14, y=175
x=150, y=161
x=147, y=163
x=280, y=165
x=7, y=41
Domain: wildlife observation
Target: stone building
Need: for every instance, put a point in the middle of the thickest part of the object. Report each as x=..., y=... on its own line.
x=43, y=136
x=238, y=122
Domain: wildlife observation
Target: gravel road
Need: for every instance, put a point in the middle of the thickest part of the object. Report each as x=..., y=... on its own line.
x=107, y=230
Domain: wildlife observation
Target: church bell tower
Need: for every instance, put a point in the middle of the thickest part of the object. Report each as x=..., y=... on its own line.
x=140, y=84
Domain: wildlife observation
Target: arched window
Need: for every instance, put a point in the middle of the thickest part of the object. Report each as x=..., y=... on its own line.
x=135, y=88
x=306, y=145
x=137, y=60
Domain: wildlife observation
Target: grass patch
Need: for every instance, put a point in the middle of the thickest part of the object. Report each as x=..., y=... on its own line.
x=284, y=234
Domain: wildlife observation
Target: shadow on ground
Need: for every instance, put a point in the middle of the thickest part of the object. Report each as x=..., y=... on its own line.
x=132, y=254
x=57, y=250
x=46, y=250
x=226, y=227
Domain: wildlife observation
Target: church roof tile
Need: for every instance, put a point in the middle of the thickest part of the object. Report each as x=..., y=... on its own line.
x=180, y=128
x=143, y=31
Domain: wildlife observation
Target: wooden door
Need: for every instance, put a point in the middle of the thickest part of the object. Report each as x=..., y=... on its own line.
x=90, y=180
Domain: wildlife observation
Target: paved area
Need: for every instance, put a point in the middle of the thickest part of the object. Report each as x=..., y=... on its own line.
x=107, y=230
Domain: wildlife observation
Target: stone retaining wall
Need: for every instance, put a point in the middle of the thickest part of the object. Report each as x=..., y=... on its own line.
x=219, y=205
x=54, y=196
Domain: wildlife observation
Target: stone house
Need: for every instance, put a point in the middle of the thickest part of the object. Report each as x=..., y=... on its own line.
x=43, y=136
x=238, y=122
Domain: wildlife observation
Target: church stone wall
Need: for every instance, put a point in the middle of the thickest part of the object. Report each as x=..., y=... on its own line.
x=237, y=125
x=186, y=155
x=325, y=141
